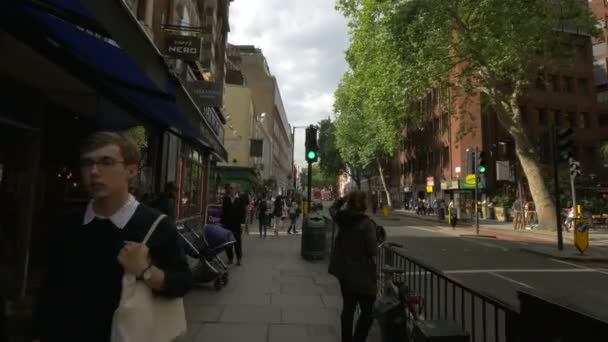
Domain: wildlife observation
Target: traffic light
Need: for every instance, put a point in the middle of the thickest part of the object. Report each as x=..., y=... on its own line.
x=564, y=144
x=470, y=162
x=312, y=148
x=481, y=163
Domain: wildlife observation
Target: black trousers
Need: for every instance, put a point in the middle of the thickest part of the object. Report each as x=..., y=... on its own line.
x=349, y=304
x=237, y=246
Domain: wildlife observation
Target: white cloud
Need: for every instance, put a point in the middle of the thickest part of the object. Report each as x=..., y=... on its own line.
x=304, y=43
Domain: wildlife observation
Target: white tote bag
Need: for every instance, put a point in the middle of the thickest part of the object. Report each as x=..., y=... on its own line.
x=143, y=317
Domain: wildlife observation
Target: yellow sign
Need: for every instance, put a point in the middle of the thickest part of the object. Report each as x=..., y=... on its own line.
x=581, y=234
x=429, y=189
x=470, y=180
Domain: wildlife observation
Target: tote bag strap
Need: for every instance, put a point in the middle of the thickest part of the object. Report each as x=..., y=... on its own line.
x=153, y=228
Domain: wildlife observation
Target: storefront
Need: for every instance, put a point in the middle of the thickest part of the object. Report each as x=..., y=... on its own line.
x=63, y=81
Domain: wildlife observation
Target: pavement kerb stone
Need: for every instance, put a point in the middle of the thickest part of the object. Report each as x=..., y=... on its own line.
x=582, y=258
x=480, y=236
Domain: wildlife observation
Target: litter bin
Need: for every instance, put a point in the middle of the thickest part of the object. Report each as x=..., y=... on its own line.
x=314, y=236
x=386, y=211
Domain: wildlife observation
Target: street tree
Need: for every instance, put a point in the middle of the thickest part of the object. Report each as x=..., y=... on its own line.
x=489, y=49
x=370, y=106
x=331, y=162
x=319, y=179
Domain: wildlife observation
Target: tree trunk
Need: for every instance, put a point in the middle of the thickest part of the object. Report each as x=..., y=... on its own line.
x=509, y=116
x=545, y=207
x=381, y=171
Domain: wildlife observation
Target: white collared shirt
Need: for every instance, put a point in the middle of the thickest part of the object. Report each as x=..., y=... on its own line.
x=119, y=218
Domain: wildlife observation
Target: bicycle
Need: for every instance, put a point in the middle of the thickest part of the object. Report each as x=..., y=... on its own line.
x=399, y=307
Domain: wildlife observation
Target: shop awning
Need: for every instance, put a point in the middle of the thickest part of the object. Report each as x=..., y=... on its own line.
x=100, y=61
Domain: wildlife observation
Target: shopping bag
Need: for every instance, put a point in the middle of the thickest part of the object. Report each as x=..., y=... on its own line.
x=142, y=316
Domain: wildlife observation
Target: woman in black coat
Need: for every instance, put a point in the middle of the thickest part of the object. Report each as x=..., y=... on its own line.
x=353, y=263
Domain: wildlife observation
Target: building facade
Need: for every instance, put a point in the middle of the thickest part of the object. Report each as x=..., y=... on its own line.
x=84, y=66
x=434, y=160
x=268, y=102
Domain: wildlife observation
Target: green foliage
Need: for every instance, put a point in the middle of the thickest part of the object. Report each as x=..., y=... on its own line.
x=604, y=151
x=331, y=162
x=138, y=134
x=319, y=179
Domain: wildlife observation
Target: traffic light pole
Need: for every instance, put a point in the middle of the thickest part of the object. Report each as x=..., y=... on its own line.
x=476, y=190
x=555, y=155
x=309, y=188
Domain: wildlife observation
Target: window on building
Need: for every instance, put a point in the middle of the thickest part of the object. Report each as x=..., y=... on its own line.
x=541, y=82
x=523, y=110
x=555, y=86
x=583, y=86
x=542, y=116
x=445, y=123
x=569, y=85
x=572, y=119
x=585, y=121
x=557, y=119
x=602, y=97
x=602, y=120
x=599, y=49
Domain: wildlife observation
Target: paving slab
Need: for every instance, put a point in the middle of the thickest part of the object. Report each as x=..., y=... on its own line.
x=204, y=313
x=309, y=316
x=302, y=333
x=283, y=300
x=232, y=332
x=251, y=314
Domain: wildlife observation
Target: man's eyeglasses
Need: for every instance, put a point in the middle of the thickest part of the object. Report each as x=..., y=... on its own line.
x=102, y=164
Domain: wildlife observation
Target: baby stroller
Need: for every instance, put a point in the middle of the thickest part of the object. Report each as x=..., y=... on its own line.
x=202, y=249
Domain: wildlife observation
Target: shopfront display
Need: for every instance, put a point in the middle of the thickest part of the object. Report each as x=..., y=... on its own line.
x=191, y=183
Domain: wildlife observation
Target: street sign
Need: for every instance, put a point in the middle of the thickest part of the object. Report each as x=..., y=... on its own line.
x=429, y=189
x=430, y=181
x=581, y=234
x=470, y=180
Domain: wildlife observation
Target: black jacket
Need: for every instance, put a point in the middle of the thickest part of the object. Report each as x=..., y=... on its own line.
x=353, y=256
x=233, y=214
x=83, y=285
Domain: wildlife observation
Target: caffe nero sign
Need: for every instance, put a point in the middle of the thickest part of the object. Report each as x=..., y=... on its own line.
x=183, y=47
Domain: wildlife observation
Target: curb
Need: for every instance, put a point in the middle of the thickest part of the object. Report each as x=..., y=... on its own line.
x=581, y=259
x=480, y=236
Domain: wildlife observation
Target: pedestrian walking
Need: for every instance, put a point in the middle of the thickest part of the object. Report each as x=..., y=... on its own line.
x=264, y=214
x=93, y=248
x=293, y=217
x=453, y=214
x=353, y=263
x=278, y=214
x=233, y=219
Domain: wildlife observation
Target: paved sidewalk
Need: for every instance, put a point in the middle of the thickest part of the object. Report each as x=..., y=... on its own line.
x=276, y=296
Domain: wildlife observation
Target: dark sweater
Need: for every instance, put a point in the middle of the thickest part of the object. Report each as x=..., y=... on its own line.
x=83, y=285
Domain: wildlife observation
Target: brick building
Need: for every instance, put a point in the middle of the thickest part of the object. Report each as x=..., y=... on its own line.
x=437, y=152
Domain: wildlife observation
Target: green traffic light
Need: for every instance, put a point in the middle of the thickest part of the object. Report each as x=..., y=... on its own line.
x=311, y=155
x=482, y=169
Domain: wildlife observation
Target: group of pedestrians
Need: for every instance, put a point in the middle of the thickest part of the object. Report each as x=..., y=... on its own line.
x=273, y=212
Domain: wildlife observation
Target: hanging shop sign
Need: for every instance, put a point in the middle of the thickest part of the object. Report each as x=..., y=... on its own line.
x=449, y=185
x=186, y=48
x=207, y=94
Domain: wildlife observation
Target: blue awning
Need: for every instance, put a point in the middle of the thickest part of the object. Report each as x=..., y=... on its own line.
x=108, y=67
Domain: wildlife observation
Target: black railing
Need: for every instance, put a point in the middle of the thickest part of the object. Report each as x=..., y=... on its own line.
x=445, y=299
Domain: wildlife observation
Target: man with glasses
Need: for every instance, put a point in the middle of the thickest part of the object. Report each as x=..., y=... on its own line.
x=91, y=249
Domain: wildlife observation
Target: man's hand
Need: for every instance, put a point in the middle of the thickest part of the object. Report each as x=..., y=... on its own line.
x=134, y=257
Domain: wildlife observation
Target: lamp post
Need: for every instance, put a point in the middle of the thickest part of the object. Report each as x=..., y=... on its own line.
x=293, y=148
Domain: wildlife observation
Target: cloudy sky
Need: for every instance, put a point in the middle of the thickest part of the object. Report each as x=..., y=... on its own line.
x=304, y=42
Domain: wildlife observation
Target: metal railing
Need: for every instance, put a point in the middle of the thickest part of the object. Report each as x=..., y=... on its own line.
x=484, y=318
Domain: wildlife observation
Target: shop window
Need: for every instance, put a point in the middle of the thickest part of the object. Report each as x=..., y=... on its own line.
x=190, y=183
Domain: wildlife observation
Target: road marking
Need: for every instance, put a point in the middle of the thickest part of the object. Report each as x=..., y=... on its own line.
x=598, y=270
x=512, y=280
x=487, y=244
x=425, y=229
